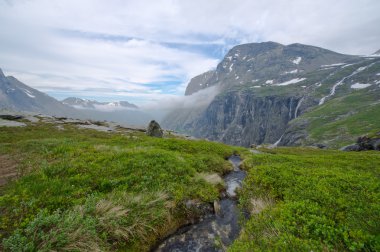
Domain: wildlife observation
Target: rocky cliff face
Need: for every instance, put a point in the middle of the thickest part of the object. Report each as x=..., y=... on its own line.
x=198, y=83
x=243, y=119
x=265, y=86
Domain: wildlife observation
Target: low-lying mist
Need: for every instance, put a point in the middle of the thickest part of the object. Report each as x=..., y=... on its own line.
x=161, y=108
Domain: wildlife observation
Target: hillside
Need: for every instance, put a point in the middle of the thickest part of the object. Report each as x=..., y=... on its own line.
x=264, y=87
x=96, y=186
x=16, y=96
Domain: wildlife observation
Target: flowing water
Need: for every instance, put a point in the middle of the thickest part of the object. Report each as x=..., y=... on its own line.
x=216, y=231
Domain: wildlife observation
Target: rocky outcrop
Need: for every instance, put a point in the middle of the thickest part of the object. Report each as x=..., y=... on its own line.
x=154, y=129
x=365, y=143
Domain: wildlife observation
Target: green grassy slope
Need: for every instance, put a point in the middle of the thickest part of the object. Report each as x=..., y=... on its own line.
x=311, y=200
x=84, y=190
x=342, y=120
x=89, y=190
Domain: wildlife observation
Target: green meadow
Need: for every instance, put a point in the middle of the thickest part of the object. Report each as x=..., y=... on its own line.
x=84, y=190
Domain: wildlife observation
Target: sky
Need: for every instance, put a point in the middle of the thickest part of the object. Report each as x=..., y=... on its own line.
x=147, y=51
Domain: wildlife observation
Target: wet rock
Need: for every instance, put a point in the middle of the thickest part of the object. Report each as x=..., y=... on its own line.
x=198, y=208
x=353, y=147
x=11, y=117
x=217, y=207
x=154, y=129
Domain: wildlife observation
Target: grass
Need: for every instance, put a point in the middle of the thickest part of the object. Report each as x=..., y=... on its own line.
x=342, y=120
x=303, y=199
x=83, y=190
x=87, y=190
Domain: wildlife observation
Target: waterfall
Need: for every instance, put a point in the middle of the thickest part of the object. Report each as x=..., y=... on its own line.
x=297, y=108
x=332, y=91
x=277, y=142
x=290, y=108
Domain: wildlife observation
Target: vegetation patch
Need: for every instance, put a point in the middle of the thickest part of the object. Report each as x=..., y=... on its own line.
x=85, y=190
x=303, y=199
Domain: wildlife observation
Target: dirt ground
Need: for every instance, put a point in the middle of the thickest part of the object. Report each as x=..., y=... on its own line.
x=8, y=169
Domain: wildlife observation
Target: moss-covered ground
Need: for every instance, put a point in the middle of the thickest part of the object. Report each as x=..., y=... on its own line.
x=81, y=189
x=304, y=199
x=84, y=190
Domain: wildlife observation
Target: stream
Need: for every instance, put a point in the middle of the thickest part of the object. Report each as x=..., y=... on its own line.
x=215, y=231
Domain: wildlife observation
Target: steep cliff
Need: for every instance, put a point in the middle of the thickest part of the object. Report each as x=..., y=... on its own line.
x=265, y=86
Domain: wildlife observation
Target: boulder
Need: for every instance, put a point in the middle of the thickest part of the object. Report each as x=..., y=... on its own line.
x=365, y=143
x=353, y=147
x=320, y=146
x=154, y=129
x=199, y=208
x=11, y=117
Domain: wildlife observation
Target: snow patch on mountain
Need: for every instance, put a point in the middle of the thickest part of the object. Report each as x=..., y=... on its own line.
x=297, y=60
x=291, y=71
x=293, y=81
x=360, y=86
x=269, y=82
x=231, y=67
x=28, y=93
x=332, y=65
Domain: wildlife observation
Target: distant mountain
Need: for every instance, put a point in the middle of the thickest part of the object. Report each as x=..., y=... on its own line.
x=266, y=91
x=15, y=95
x=377, y=53
x=92, y=104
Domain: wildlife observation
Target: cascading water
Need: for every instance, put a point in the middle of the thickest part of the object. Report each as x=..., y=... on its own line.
x=216, y=231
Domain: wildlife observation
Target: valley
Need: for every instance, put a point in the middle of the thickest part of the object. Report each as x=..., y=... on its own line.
x=108, y=187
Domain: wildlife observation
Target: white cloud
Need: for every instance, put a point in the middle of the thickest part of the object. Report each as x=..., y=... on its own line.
x=82, y=45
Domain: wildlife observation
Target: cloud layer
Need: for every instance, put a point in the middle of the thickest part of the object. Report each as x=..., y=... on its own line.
x=143, y=51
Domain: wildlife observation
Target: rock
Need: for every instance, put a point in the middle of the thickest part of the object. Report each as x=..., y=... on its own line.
x=353, y=147
x=376, y=144
x=369, y=143
x=154, y=129
x=320, y=146
x=8, y=123
x=11, y=117
x=217, y=209
x=198, y=208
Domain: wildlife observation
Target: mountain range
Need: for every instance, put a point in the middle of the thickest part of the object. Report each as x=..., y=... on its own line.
x=269, y=93
x=260, y=93
x=93, y=104
x=16, y=96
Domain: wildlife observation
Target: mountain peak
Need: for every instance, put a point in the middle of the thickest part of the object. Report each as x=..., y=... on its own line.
x=375, y=53
x=254, y=47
